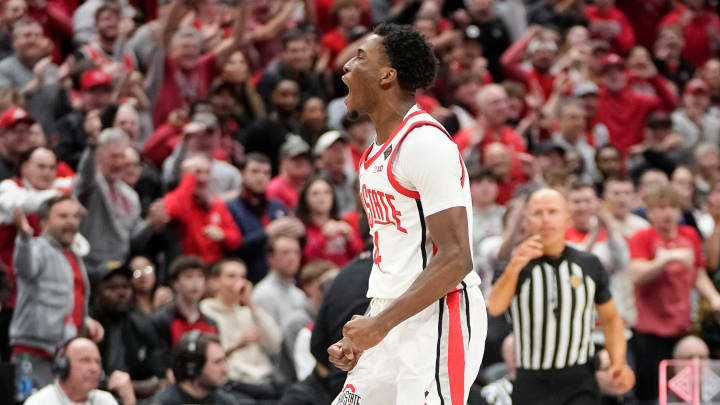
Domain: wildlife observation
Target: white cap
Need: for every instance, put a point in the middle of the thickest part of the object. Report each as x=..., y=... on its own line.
x=326, y=140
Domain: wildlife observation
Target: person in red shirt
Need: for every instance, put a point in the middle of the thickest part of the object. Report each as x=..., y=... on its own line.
x=328, y=237
x=347, y=14
x=610, y=24
x=203, y=221
x=621, y=110
x=701, y=28
x=666, y=263
x=542, y=51
x=188, y=74
x=497, y=157
x=295, y=168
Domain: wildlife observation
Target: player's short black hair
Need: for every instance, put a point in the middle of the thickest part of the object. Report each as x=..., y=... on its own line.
x=410, y=55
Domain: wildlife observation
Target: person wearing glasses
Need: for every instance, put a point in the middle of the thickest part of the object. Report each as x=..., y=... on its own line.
x=130, y=343
x=147, y=292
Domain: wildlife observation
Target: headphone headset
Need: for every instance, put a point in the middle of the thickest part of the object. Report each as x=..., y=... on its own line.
x=191, y=359
x=61, y=363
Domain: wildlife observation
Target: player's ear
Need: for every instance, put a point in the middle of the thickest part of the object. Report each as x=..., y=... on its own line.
x=387, y=75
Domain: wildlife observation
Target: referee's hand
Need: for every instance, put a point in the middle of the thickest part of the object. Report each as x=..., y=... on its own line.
x=530, y=249
x=623, y=378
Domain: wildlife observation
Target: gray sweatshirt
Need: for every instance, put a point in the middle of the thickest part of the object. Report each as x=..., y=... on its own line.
x=45, y=293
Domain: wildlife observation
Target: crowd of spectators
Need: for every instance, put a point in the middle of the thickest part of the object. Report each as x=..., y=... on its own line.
x=169, y=166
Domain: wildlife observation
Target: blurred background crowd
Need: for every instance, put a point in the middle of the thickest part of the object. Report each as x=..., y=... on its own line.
x=178, y=165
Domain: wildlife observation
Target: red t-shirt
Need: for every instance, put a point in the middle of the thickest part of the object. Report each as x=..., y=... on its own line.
x=335, y=42
x=179, y=90
x=279, y=189
x=663, y=304
x=76, y=318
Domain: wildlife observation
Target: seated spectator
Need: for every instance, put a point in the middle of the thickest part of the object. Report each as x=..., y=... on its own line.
x=706, y=162
x=572, y=136
x=313, y=119
x=187, y=278
x=667, y=56
x=12, y=12
x=497, y=157
x=609, y=24
x=130, y=343
x=609, y=163
x=283, y=256
x=333, y=160
x=14, y=139
x=328, y=237
x=200, y=370
x=84, y=19
x=202, y=136
x=623, y=111
x=267, y=135
x=79, y=376
x=696, y=121
x=236, y=75
x=661, y=148
x=247, y=333
x=200, y=217
x=314, y=279
x=77, y=127
x=548, y=13
x=147, y=293
x=294, y=63
x=53, y=287
x=113, y=223
x=487, y=216
x=499, y=392
x=361, y=133
x=295, y=168
x=710, y=73
x=258, y=217
x=597, y=134
x=699, y=25
x=666, y=261
x=619, y=194
x=30, y=71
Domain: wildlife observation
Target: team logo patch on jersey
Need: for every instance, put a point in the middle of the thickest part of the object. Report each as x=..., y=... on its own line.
x=575, y=281
x=387, y=152
x=349, y=397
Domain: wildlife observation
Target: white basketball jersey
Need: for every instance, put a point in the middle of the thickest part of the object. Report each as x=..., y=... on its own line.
x=402, y=244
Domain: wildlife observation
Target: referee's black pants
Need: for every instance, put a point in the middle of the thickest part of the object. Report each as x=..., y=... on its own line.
x=573, y=385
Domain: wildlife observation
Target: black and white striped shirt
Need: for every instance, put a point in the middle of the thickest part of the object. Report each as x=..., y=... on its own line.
x=553, y=310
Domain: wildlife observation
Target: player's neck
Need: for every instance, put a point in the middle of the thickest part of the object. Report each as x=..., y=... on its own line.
x=389, y=114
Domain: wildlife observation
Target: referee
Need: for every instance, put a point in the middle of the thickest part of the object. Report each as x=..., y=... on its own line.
x=550, y=289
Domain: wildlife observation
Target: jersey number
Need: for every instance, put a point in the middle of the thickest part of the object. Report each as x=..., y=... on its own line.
x=376, y=252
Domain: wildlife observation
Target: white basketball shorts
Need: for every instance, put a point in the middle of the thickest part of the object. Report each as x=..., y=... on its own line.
x=432, y=358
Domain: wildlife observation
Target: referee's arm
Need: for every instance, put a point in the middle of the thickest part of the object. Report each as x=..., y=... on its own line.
x=614, y=330
x=503, y=290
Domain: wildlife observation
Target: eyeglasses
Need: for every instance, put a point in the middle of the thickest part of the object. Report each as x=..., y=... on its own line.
x=145, y=270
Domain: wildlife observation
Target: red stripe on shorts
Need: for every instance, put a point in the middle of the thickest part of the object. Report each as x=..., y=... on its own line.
x=456, y=351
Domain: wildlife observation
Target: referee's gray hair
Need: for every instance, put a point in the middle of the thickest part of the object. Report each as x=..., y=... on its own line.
x=111, y=136
x=187, y=32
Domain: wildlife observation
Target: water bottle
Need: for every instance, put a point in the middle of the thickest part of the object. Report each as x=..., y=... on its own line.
x=24, y=379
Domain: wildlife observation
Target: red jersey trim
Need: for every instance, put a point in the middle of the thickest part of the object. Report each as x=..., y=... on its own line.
x=387, y=142
x=391, y=177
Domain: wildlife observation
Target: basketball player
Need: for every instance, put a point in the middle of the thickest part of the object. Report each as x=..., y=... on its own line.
x=422, y=339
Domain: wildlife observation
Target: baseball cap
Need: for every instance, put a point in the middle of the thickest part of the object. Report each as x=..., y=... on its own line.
x=546, y=148
x=294, y=146
x=94, y=78
x=585, y=88
x=326, y=140
x=110, y=269
x=658, y=120
x=611, y=59
x=696, y=86
x=542, y=44
x=14, y=115
x=207, y=119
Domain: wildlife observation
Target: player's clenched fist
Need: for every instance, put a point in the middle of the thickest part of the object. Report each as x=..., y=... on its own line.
x=342, y=356
x=364, y=332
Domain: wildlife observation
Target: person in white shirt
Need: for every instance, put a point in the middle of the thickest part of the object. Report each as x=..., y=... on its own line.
x=79, y=368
